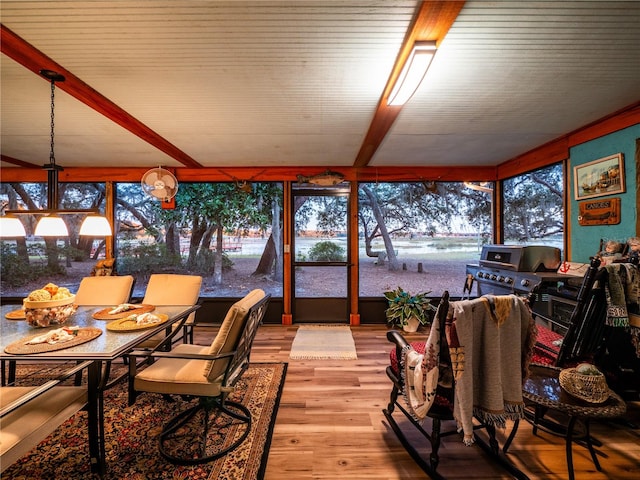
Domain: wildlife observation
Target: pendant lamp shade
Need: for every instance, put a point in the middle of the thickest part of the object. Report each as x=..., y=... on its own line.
x=51, y=226
x=95, y=226
x=11, y=227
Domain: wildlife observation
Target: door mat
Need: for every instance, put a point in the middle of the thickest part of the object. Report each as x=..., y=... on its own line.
x=323, y=342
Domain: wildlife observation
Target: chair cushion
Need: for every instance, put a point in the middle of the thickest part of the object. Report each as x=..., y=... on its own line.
x=171, y=289
x=230, y=330
x=112, y=290
x=547, y=346
x=178, y=376
x=29, y=424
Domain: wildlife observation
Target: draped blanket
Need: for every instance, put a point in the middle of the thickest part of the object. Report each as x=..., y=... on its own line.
x=491, y=340
x=421, y=373
x=617, y=315
x=622, y=291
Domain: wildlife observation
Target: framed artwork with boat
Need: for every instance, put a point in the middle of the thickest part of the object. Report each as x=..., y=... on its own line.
x=604, y=176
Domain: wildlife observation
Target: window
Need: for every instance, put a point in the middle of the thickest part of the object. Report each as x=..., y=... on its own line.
x=420, y=235
x=229, y=235
x=534, y=208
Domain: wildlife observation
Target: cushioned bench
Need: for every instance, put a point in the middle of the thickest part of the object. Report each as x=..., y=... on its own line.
x=30, y=414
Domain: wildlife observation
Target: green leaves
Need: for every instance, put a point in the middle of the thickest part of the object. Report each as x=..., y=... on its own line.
x=403, y=305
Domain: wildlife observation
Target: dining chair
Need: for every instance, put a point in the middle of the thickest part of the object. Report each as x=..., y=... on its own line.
x=172, y=289
x=209, y=373
x=111, y=290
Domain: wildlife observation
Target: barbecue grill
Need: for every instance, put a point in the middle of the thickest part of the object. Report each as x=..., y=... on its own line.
x=506, y=269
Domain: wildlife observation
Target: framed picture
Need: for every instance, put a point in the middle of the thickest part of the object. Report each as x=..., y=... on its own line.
x=604, y=176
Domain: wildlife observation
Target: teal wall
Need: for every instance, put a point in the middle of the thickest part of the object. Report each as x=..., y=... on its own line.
x=585, y=240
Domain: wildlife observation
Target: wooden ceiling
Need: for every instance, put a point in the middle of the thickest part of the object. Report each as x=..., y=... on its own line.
x=204, y=86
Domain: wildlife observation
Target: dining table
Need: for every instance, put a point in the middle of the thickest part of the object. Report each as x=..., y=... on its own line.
x=107, y=344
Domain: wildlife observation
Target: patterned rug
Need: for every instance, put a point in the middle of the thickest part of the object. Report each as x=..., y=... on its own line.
x=131, y=437
x=323, y=342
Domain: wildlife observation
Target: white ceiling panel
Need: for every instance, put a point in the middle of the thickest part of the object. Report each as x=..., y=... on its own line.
x=511, y=76
x=297, y=83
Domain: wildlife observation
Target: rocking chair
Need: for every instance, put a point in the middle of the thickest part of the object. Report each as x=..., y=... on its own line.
x=584, y=332
x=443, y=399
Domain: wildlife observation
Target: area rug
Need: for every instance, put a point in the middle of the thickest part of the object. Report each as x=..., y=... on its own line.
x=131, y=437
x=323, y=342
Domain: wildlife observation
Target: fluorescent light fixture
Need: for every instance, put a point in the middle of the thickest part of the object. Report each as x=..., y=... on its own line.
x=95, y=226
x=412, y=73
x=51, y=226
x=11, y=227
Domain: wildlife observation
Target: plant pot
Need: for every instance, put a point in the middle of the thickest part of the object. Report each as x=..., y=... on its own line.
x=412, y=325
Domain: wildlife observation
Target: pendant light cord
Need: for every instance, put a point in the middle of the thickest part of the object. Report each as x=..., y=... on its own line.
x=52, y=157
x=52, y=169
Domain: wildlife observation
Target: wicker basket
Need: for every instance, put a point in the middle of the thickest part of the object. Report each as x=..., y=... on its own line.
x=49, y=312
x=590, y=388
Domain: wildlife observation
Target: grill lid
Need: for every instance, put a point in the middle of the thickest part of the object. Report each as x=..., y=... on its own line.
x=532, y=258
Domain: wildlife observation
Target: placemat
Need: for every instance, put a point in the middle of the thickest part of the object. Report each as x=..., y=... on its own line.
x=130, y=325
x=18, y=314
x=20, y=347
x=104, y=313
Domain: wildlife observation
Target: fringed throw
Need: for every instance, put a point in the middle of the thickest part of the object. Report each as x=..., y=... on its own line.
x=421, y=374
x=617, y=315
x=494, y=339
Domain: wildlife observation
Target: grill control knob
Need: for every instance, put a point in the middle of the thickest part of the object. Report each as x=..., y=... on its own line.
x=509, y=280
x=501, y=279
x=479, y=274
x=524, y=282
x=494, y=277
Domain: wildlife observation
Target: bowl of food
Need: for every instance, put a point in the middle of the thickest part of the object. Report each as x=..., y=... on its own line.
x=50, y=305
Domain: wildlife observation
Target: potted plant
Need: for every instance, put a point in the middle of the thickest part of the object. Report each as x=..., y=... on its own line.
x=408, y=311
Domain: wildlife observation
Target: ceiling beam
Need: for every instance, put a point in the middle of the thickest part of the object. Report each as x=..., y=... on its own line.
x=33, y=59
x=15, y=161
x=258, y=174
x=431, y=23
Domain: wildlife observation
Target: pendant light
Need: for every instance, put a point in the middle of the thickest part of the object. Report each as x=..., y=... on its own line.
x=51, y=223
x=95, y=226
x=11, y=227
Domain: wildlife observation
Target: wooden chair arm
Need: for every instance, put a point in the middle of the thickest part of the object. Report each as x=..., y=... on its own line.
x=396, y=337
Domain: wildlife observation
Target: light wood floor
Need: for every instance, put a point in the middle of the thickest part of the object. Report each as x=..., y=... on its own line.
x=330, y=424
